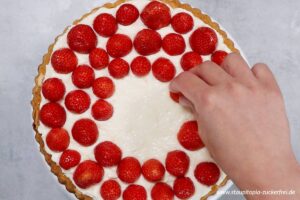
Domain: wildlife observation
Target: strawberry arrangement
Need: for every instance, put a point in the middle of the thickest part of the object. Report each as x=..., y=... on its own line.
x=83, y=39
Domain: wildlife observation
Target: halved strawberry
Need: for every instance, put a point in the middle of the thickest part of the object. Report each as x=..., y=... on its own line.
x=190, y=60
x=77, y=101
x=99, y=58
x=110, y=190
x=173, y=44
x=163, y=70
x=135, y=192
x=184, y=188
x=182, y=23
x=207, y=173
x=189, y=137
x=69, y=158
x=147, y=42
x=53, y=115
x=53, y=89
x=105, y=25
x=107, y=154
x=129, y=170
x=58, y=139
x=85, y=132
x=64, y=61
x=118, y=68
x=83, y=76
x=82, y=38
x=88, y=173
x=218, y=57
x=127, y=14
x=103, y=87
x=204, y=41
x=162, y=191
x=177, y=163
x=102, y=110
x=140, y=66
x=119, y=45
x=175, y=96
x=156, y=15
x=153, y=170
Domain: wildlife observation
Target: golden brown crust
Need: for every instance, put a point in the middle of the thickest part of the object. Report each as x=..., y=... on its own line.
x=55, y=168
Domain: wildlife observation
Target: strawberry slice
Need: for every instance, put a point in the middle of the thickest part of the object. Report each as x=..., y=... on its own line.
x=105, y=25
x=118, y=68
x=103, y=87
x=190, y=60
x=162, y=191
x=77, y=101
x=189, y=137
x=129, y=170
x=177, y=163
x=53, y=89
x=69, y=159
x=204, y=41
x=83, y=76
x=102, y=110
x=140, y=66
x=182, y=23
x=107, y=154
x=99, y=59
x=207, y=173
x=82, y=38
x=88, y=173
x=163, y=70
x=53, y=115
x=156, y=15
x=127, y=14
x=173, y=44
x=110, y=190
x=147, y=42
x=184, y=188
x=64, y=61
x=218, y=57
x=119, y=45
x=135, y=192
x=58, y=139
x=85, y=132
x=175, y=96
x=153, y=170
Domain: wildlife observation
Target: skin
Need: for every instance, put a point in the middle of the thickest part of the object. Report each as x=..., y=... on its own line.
x=243, y=123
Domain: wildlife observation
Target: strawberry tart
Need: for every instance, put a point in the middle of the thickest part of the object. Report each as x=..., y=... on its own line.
x=104, y=118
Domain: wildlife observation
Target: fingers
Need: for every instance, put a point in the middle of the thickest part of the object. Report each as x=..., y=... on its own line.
x=264, y=75
x=185, y=102
x=211, y=73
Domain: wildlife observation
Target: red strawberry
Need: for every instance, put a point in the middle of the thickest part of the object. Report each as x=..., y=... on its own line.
x=58, y=139
x=99, y=59
x=177, y=163
x=83, y=76
x=64, y=61
x=188, y=136
x=103, y=87
x=110, y=190
x=140, y=66
x=156, y=15
x=53, y=89
x=85, y=132
x=173, y=44
x=53, y=115
x=119, y=45
x=129, y=170
x=190, y=60
x=153, y=170
x=175, y=96
x=82, y=38
x=204, y=41
x=77, y=101
x=163, y=70
x=162, y=191
x=135, y=192
x=107, y=154
x=147, y=42
x=127, y=14
x=88, y=173
x=184, y=188
x=182, y=23
x=207, y=173
x=105, y=25
x=102, y=110
x=118, y=68
x=218, y=57
x=69, y=159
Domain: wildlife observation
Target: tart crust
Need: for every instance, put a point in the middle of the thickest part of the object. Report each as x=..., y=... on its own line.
x=55, y=168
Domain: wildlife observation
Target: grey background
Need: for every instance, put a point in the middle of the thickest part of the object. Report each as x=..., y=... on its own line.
x=267, y=31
